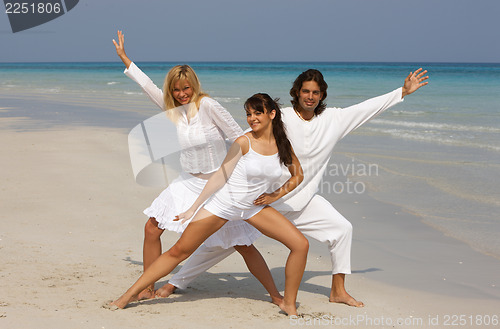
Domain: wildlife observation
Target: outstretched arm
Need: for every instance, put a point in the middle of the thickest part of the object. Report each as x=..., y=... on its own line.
x=352, y=117
x=217, y=180
x=295, y=170
x=134, y=73
x=120, y=49
x=414, y=81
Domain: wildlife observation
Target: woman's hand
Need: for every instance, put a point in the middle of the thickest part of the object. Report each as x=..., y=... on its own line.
x=120, y=49
x=266, y=198
x=185, y=216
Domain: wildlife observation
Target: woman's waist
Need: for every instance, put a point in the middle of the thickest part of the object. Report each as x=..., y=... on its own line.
x=201, y=175
x=240, y=194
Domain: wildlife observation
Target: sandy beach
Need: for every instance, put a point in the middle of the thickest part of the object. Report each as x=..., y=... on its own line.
x=71, y=235
x=71, y=230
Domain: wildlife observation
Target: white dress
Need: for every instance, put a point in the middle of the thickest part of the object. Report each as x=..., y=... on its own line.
x=253, y=175
x=204, y=148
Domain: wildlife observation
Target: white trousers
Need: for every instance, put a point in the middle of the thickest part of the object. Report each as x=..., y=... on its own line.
x=318, y=220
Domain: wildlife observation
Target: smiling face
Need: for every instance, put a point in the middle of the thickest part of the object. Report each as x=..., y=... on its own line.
x=309, y=97
x=258, y=120
x=182, y=92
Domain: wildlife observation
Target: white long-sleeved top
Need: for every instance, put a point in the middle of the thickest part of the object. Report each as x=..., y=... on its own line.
x=313, y=142
x=201, y=137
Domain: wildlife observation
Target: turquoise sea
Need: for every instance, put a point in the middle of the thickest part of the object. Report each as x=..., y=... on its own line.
x=438, y=153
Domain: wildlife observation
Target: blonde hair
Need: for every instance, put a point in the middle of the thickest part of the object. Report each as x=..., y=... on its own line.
x=178, y=73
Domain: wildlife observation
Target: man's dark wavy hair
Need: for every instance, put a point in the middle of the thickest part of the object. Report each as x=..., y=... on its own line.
x=309, y=75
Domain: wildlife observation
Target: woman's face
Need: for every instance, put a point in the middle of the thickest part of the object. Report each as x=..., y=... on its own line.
x=258, y=120
x=182, y=92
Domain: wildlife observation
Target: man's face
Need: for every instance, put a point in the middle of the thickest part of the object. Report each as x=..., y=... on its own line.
x=309, y=95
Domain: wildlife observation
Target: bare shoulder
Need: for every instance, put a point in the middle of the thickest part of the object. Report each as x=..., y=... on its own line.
x=243, y=142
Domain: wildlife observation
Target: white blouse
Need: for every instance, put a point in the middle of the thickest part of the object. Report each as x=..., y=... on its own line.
x=202, y=138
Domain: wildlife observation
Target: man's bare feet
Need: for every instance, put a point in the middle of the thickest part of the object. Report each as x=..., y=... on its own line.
x=346, y=299
x=338, y=294
x=165, y=291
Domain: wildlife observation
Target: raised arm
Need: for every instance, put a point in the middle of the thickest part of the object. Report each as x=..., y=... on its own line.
x=217, y=180
x=133, y=72
x=295, y=170
x=120, y=49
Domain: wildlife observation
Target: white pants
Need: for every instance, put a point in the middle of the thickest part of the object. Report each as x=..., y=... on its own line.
x=318, y=220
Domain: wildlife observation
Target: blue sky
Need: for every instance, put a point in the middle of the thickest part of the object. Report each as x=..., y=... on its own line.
x=264, y=30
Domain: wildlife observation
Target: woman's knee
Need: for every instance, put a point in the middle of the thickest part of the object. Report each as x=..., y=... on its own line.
x=151, y=229
x=301, y=245
x=179, y=252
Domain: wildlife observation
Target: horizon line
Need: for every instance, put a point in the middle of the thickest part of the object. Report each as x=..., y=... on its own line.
x=291, y=62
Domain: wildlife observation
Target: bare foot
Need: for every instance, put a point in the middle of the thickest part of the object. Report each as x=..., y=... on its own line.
x=147, y=293
x=288, y=309
x=122, y=302
x=277, y=300
x=109, y=306
x=346, y=299
x=166, y=290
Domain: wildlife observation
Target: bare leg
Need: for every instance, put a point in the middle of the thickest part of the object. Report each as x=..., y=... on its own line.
x=338, y=293
x=151, y=250
x=199, y=262
x=271, y=223
x=203, y=225
x=258, y=267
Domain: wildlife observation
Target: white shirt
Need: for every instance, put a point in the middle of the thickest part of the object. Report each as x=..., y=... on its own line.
x=313, y=142
x=201, y=137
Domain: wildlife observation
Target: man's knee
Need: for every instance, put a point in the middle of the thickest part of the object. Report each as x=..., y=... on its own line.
x=346, y=228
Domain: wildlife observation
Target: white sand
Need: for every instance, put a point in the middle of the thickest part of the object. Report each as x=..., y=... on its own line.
x=71, y=240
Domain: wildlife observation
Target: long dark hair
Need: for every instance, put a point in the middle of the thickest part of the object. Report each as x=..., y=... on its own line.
x=264, y=103
x=309, y=75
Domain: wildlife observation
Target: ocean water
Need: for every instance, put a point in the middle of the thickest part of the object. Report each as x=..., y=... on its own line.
x=438, y=153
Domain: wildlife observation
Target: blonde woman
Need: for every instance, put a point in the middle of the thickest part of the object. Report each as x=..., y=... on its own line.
x=202, y=126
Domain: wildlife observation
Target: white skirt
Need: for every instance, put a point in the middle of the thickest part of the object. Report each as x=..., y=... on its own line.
x=179, y=196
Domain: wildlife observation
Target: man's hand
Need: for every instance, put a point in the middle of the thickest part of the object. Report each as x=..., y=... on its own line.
x=414, y=81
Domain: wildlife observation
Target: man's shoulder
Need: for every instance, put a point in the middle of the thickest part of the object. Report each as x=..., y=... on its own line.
x=329, y=111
